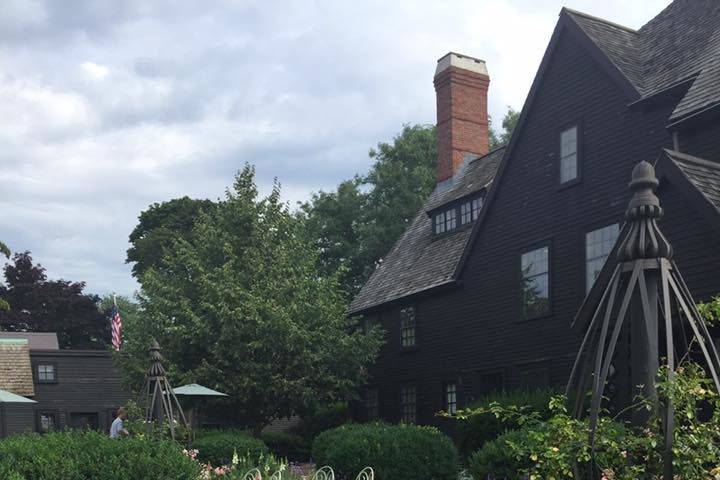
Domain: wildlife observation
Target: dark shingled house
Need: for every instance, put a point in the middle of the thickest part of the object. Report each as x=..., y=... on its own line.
x=70, y=388
x=480, y=292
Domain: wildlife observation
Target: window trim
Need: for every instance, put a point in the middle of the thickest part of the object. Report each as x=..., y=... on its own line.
x=415, y=403
x=414, y=346
x=38, y=414
x=36, y=372
x=584, y=233
x=547, y=242
x=579, y=153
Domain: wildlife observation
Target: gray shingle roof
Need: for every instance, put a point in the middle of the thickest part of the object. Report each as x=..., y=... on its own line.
x=703, y=174
x=681, y=42
x=419, y=262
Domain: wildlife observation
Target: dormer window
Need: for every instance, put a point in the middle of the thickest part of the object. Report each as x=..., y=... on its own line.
x=457, y=216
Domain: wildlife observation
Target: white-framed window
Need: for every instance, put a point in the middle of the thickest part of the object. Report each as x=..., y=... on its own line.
x=408, y=404
x=598, y=245
x=451, y=398
x=476, y=206
x=440, y=222
x=46, y=373
x=535, y=282
x=569, y=154
x=407, y=327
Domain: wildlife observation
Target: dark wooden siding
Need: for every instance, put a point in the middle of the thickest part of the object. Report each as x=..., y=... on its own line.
x=476, y=331
x=87, y=382
x=16, y=418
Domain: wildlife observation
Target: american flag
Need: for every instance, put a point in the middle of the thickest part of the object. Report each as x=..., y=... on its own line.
x=116, y=326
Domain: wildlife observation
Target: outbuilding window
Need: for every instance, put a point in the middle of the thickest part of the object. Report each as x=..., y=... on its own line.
x=46, y=373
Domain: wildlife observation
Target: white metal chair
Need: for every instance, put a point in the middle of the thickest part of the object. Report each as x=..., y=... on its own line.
x=324, y=473
x=277, y=475
x=253, y=474
x=366, y=473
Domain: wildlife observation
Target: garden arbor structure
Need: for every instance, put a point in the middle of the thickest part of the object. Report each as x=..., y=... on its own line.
x=645, y=314
x=160, y=400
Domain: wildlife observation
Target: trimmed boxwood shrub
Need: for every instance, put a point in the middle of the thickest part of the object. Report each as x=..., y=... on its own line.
x=393, y=451
x=287, y=445
x=86, y=454
x=495, y=459
x=478, y=429
x=217, y=447
x=322, y=418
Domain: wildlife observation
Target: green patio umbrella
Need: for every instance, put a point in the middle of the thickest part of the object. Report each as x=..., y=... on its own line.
x=8, y=397
x=193, y=391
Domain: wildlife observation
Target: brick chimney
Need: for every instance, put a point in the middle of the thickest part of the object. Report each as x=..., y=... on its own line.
x=461, y=86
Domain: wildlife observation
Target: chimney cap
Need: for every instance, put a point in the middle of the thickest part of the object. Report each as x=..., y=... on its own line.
x=466, y=62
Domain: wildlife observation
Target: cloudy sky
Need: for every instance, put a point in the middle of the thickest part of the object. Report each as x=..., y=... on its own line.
x=109, y=106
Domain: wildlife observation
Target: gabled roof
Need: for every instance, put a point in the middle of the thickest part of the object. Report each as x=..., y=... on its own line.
x=681, y=44
x=36, y=340
x=15, y=369
x=703, y=174
x=419, y=262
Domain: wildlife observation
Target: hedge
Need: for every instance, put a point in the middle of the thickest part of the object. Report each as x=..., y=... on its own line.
x=495, y=459
x=217, y=447
x=287, y=445
x=473, y=432
x=393, y=451
x=86, y=454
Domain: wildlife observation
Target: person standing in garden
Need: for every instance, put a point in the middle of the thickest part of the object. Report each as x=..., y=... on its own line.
x=117, y=429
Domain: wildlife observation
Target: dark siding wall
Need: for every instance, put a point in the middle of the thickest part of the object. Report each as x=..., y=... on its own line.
x=466, y=334
x=86, y=383
x=16, y=418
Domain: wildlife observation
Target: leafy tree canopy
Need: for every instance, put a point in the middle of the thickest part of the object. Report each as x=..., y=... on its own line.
x=4, y=250
x=158, y=226
x=358, y=223
x=238, y=306
x=36, y=304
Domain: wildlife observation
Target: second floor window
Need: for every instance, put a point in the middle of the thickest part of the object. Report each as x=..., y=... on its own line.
x=408, y=405
x=598, y=245
x=569, y=154
x=46, y=373
x=535, y=282
x=451, y=398
x=407, y=327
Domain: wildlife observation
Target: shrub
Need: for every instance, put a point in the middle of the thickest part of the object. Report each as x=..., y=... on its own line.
x=218, y=446
x=393, y=451
x=474, y=431
x=496, y=459
x=287, y=445
x=321, y=419
x=88, y=454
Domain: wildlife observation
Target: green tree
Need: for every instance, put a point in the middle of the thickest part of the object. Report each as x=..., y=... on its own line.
x=158, y=227
x=37, y=304
x=239, y=306
x=133, y=367
x=508, y=124
x=4, y=250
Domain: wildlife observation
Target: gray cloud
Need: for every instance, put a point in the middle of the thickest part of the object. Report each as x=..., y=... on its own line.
x=114, y=105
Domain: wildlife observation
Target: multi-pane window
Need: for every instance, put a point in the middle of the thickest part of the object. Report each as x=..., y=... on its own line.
x=408, y=404
x=535, y=282
x=407, y=327
x=598, y=245
x=476, y=206
x=569, y=154
x=372, y=404
x=451, y=398
x=450, y=220
x=47, y=421
x=465, y=213
x=46, y=373
x=440, y=223
x=458, y=215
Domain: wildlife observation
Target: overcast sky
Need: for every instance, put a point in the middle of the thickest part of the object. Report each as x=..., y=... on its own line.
x=109, y=106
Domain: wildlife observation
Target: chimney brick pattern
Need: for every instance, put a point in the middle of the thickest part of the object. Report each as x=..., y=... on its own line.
x=461, y=86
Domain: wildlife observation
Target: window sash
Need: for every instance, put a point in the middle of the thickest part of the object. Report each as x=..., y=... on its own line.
x=46, y=373
x=535, y=282
x=598, y=245
x=465, y=213
x=408, y=400
x=407, y=327
x=568, y=154
x=451, y=398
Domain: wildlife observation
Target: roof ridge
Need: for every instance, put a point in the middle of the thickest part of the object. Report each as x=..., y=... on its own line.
x=599, y=19
x=488, y=154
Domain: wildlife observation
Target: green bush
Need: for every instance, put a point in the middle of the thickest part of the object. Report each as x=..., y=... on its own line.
x=217, y=447
x=496, y=459
x=323, y=418
x=86, y=454
x=287, y=445
x=393, y=451
x=474, y=431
